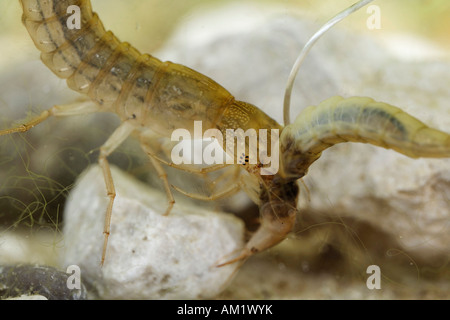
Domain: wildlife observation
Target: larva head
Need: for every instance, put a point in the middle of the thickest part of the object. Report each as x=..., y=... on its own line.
x=278, y=207
x=243, y=115
x=251, y=135
x=277, y=212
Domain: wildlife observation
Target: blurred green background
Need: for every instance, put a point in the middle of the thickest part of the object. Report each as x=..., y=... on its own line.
x=147, y=23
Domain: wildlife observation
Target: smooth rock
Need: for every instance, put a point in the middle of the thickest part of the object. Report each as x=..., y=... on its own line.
x=30, y=282
x=149, y=256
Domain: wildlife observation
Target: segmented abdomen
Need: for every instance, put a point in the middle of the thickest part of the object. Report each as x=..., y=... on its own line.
x=357, y=119
x=116, y=75
x=85, y=56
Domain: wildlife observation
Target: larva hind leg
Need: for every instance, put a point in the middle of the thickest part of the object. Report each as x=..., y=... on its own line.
x=121, y=133
x=229, y=191
x=186, y=167
x=228, y=188
x=158, y=147
x=146, y=144
x=161, y=172
x=67, y=110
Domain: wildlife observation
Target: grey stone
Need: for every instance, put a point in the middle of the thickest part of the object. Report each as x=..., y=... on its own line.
x=149, y=256
x=24, y=281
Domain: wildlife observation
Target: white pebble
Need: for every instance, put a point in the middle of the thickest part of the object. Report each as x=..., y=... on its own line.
x=149, y=256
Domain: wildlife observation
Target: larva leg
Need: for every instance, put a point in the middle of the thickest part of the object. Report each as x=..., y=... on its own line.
x=118, y=136
x=156, y=161
x=231, y=173
x=235, y=187
x=72, y=109
x=121, y=133
x=149, y=138
x=189, y=168
x=161, y=174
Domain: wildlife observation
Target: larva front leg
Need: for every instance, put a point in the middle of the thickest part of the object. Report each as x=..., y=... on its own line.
x=114, y=141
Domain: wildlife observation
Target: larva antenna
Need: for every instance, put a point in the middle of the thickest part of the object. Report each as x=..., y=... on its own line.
x=327, y=26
